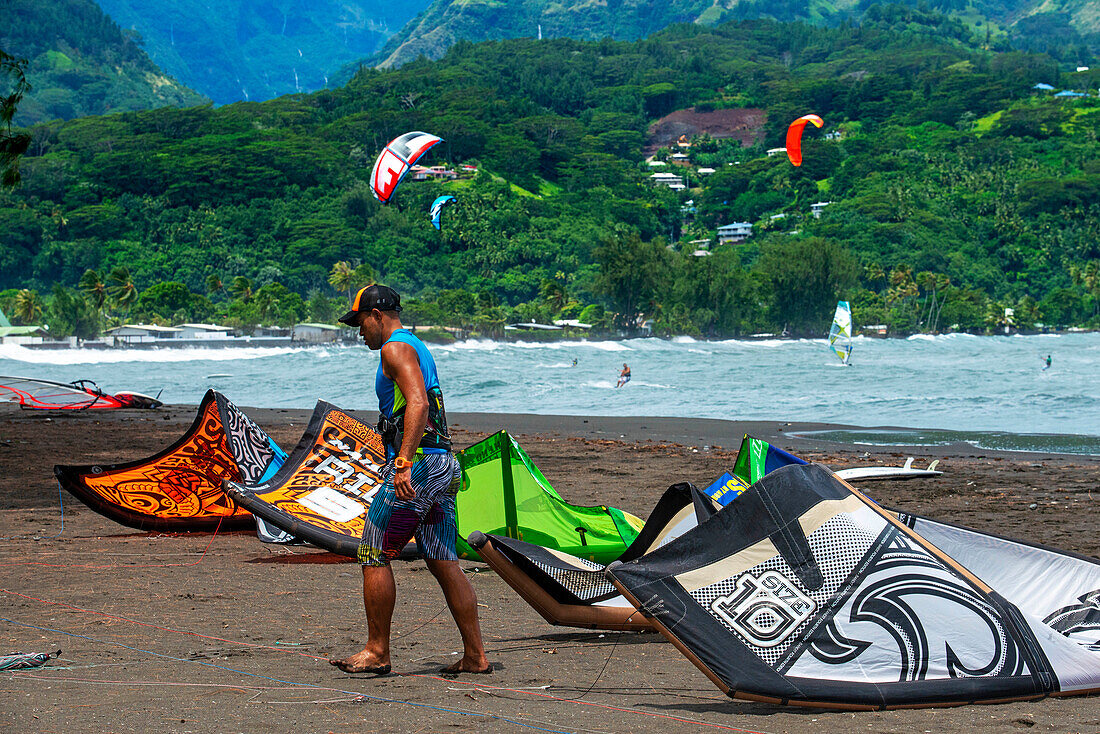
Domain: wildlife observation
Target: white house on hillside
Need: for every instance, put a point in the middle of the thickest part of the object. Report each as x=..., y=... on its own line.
x=734, y=233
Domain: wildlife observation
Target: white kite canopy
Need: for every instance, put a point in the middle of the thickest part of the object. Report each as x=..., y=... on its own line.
x=840, y=333
x=804, y=591
x=396, y=159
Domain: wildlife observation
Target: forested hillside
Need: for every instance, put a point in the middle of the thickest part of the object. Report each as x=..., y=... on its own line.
x=1069, y=30
x=236, y=50
x=957, y=189
x=81, y=63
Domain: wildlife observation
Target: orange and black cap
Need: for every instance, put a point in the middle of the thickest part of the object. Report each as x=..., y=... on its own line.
x=367, y=299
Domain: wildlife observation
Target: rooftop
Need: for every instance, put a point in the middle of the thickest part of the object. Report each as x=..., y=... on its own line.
x=204, y=327
x=154, y=328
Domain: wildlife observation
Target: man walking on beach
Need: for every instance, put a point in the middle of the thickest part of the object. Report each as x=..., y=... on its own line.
x=418, y=497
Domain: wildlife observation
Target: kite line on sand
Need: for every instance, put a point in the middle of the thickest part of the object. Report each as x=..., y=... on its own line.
x=476, y=686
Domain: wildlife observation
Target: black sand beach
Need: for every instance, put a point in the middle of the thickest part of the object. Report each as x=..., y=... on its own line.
x=217, y=632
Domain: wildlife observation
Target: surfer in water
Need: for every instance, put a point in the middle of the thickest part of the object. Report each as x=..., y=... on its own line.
x=1047, y=367
x=574, y=361
x=624, y=376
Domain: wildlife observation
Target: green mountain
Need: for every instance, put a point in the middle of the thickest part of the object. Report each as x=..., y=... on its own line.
x=1070, y=29
x=81, y=63
x=445, y=22
x=258, y=49
x=957, y=189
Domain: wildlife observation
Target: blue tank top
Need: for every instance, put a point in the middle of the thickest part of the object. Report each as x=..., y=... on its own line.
x=391, y=402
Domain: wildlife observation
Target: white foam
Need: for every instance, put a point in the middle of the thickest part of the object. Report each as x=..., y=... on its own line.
x=19, y=353
x=477, y=345
x=758, y=343
x=609, y=346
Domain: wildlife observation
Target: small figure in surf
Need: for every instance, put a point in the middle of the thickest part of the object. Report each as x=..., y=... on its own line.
x=624, y=376
x=1047, y=367
x=574, y=361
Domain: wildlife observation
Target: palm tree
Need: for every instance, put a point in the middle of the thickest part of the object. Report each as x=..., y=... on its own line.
x=267, y=305
x=241, y=289
x=214, y=285
x=95, y=290
x=942, y=281
x=927, y=281
x=362, y=275
x=554, y=294
x=875, y=274
x=121, y=289
x=28, y=306
x=341, y=277
x=1091, y=278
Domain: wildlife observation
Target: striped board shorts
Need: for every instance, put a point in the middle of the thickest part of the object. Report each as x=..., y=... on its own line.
x=429, y=517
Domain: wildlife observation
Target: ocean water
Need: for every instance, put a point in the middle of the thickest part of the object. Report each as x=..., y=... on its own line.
x=957, y=383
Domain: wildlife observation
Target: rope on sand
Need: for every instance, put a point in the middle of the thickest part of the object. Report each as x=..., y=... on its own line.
x=475, y=686
x=356, y=694
x=51, y=537
x=120, y=565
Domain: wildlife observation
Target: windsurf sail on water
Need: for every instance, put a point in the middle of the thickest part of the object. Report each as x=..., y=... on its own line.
x=805, y=591
x=180, y=489
x=323, y=492
x=35, y=394
x=840, y=333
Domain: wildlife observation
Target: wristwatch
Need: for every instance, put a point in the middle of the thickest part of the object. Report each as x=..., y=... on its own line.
x=401, y=463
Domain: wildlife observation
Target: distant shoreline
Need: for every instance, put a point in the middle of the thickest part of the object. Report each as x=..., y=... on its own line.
x=277, y=342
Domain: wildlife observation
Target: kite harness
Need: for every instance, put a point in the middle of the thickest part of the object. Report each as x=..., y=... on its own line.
x=391, y=403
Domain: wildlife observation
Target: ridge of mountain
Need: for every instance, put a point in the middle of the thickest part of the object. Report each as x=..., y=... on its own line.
x=1067, y=29
x=81, y=63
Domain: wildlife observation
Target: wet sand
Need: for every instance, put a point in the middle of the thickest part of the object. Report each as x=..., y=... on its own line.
x=218, y=632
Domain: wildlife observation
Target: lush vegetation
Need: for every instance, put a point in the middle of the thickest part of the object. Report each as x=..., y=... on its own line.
x=13, y=85
x=958, y=190
x=80, y=63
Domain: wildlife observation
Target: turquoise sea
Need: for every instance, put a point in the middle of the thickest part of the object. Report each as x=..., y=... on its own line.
x=965, y=387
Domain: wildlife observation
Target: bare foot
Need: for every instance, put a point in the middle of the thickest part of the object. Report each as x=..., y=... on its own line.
x=363, y=661
x=467, y=666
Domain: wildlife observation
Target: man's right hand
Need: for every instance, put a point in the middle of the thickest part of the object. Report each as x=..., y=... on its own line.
x=402, y=485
